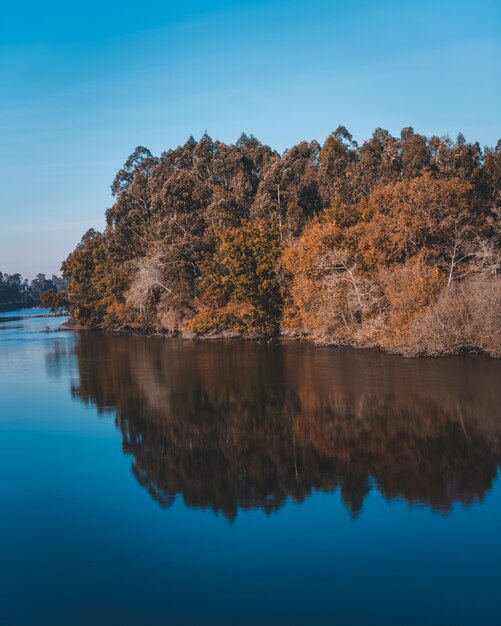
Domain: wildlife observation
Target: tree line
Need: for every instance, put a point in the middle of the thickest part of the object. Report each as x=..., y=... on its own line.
x=394, y=243
x=17, y=292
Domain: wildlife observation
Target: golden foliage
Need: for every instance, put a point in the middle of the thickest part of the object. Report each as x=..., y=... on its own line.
x=407, y=217
x=408, y=289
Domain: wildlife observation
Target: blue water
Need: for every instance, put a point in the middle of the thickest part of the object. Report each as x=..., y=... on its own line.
x=151, y=481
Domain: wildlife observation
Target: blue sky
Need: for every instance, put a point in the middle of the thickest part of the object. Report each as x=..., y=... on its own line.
x=83, y=83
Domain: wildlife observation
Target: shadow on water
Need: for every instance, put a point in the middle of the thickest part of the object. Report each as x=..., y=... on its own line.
x=232, y=426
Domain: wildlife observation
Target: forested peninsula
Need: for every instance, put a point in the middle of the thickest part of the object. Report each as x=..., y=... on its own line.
x=394, y=244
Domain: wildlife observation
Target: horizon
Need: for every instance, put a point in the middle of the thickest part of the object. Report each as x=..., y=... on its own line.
x=81, y=90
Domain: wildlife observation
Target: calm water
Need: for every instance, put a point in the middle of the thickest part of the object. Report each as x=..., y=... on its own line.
x=150, y=482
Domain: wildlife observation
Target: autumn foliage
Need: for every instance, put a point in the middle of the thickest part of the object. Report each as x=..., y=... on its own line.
x=356, y=245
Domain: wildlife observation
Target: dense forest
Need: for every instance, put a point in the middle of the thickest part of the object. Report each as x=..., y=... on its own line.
x=394, y=243
x=16, y=292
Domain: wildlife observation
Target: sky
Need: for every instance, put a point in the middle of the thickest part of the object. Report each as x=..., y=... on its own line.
x=83, y=83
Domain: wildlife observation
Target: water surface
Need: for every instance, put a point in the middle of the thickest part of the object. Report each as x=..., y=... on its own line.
x=152, y=481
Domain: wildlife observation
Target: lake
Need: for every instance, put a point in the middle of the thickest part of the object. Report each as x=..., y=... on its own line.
x=151, y=481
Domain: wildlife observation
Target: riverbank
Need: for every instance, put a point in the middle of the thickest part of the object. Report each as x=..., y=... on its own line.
x=263, y=338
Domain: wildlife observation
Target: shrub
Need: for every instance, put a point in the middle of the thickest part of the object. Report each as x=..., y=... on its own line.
x=408, y=289
x=466, y=317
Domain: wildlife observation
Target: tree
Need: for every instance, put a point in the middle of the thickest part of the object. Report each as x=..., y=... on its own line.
x=424, y=214
x=289, y=195
x=240, y=284
x=56, y=301
x=337, y=162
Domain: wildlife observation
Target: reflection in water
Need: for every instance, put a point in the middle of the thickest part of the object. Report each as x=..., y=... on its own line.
x=232, y=426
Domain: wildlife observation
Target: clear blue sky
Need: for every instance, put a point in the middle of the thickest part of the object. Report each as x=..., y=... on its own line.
x=83, y=83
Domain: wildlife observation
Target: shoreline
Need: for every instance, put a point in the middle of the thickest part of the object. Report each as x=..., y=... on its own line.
x=264, y=339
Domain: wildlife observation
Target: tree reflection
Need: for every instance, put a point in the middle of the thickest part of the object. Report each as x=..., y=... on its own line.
x=233, y=426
